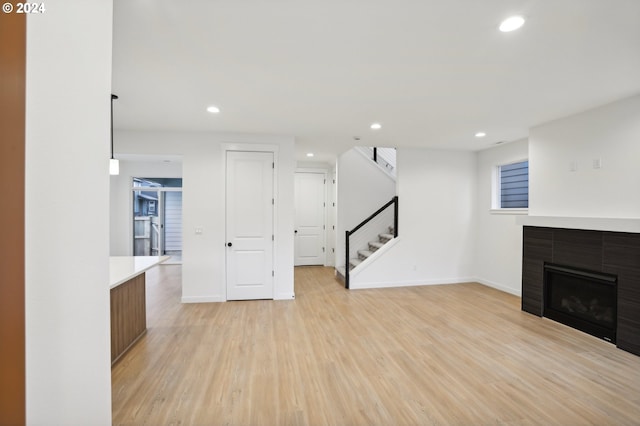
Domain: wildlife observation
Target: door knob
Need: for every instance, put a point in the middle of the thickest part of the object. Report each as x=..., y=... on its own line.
x=295, y=232
x=229, y=244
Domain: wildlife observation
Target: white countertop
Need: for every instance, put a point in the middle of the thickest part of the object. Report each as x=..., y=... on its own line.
x=590, y=223
x=123, y=268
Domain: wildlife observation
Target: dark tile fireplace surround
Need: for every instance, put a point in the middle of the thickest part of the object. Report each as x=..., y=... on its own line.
x=612, y=257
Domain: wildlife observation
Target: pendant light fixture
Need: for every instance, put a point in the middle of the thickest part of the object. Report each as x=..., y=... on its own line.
x=114, y=165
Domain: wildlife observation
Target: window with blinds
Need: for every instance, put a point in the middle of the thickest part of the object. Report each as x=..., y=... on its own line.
x=514, y=185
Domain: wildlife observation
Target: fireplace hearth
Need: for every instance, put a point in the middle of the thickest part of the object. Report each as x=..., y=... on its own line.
x=582, y=299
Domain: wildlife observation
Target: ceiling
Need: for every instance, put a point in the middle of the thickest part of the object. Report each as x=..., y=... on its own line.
x=432, y=72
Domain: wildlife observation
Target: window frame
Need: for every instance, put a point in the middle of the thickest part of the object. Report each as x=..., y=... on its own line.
x=496, y=191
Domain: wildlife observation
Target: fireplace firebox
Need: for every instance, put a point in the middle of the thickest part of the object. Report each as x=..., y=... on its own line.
x=582, y=299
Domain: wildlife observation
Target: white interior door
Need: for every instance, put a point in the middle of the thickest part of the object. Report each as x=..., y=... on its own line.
x=249, y=209
x=310, y=231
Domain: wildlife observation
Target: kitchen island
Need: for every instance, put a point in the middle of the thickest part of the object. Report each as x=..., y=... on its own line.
x=128, y=304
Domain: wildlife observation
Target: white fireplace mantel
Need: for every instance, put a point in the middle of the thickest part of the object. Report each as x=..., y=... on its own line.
x=589, y=223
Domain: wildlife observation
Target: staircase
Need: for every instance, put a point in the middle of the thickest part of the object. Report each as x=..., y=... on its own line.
x=372, y=246
x=366, y=231
x=385, y=158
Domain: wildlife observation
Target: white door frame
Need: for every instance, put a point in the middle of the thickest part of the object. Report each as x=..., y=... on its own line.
x=161, y=190
x=332, y=208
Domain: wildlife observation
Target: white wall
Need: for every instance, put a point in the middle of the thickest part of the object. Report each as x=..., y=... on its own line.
x=362, y=189
x=203, y=181
x=68, y=364
x=436, y=237
x=121, y=199
x=438, y=243
x=498, y=254
x=611, y=134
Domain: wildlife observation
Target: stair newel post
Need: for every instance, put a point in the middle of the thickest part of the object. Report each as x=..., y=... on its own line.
x=395, y=216
x=346, y=265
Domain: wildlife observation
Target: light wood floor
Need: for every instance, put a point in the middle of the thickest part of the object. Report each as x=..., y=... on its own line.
x=434, y=355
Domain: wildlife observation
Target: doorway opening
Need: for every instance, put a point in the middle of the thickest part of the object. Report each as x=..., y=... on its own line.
x=310, y=229
x=157, y=217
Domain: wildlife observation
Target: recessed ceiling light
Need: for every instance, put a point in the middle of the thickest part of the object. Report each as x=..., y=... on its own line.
x=309, y=154
x=213, y=109
x=481, y=135
x=376, y=126
x=512, y=23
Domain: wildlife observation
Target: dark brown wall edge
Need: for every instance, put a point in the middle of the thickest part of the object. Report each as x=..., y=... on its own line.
x=12, y=258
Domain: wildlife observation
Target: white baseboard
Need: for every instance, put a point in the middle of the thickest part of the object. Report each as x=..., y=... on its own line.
x=210, y=299
x=411, y=283
x=202, y=299
x=499, y=287
x=285, y=296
